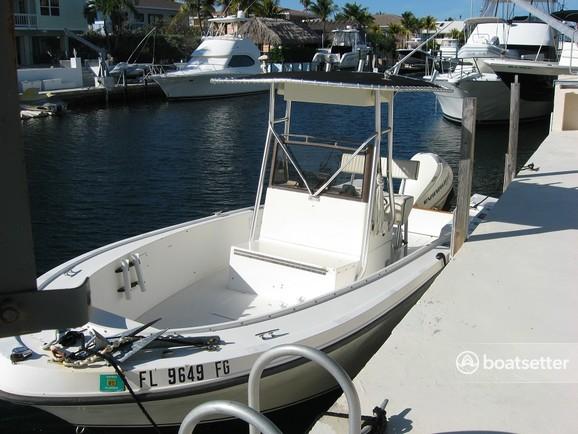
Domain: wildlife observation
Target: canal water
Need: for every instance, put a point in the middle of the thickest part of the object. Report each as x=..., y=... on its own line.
x=101, y=174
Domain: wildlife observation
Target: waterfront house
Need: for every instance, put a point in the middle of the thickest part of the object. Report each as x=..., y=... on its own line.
x=39, y=29
x=152, y=12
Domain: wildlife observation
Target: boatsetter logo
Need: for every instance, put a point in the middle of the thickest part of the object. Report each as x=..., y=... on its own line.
x=469, y=362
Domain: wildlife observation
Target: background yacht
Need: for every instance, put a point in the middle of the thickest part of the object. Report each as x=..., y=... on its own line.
x=345, y=52
x=220, y=54
x=523, y=38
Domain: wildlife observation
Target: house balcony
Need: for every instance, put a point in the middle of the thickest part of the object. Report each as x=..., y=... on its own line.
x=25, y=21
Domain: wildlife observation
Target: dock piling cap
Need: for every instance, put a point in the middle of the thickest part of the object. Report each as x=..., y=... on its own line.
x=336, y=87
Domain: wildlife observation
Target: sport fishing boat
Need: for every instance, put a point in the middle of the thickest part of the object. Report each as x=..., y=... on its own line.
x=345, y=52
x=220, y=54
x=522, y=38
x=179, y=315
x=537, y=77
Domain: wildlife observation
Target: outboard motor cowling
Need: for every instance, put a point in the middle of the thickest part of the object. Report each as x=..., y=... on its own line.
x=434, y=182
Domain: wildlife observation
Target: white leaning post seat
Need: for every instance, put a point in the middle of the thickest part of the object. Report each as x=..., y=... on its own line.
x=302, y=250
x=403, y=203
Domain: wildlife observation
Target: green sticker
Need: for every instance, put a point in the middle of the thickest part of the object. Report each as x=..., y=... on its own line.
x=111, y=383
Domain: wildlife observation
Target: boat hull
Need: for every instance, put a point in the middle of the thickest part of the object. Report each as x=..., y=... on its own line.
x=199, y=86
x=493, y=101
x=300, y=382
x=349, y=324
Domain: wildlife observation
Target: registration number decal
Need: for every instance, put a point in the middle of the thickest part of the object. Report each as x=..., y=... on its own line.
x=183, y=374
x=111, y=383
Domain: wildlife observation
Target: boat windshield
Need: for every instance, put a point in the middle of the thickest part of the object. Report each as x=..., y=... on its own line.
x=207, y=60
x=310, y=164
x=344, y=39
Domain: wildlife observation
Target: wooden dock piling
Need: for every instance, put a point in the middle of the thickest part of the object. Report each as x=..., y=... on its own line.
x=466, y=170
x=512, y=155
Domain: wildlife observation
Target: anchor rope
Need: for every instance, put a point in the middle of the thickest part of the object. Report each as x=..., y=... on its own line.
x=137, y=400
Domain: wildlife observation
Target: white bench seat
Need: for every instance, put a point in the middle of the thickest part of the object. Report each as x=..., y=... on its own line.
x=289, y=272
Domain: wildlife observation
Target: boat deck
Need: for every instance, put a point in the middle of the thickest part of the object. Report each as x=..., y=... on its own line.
x=188, y=307
x=493, y=345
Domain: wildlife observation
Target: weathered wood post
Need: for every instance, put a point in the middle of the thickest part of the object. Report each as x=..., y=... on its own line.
x=466, y=170
x=512, y=155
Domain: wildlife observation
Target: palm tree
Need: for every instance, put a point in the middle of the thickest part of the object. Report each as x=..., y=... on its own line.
x=356, y=13
x=246, y=6
x=409, y=22
x=396, y=31
x=268, y=8
x=323, y=9
x=456, y=34
x=428, y=23
x=306, y=4
x=200, y=9
x=114, y=10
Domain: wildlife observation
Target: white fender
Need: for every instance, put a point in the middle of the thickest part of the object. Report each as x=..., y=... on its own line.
x=433, y=184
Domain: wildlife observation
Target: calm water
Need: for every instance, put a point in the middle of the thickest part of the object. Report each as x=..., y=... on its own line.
x=103, y=174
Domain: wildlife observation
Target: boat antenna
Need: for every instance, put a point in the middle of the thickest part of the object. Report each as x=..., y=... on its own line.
x=140, y=43
x=154, y=47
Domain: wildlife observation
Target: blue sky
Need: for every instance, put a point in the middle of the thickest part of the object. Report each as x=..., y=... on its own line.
x=438, y=8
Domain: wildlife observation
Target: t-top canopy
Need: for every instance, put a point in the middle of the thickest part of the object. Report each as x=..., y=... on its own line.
x=336, y=87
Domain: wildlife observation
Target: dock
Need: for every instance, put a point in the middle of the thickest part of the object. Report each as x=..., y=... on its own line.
x=95, y=95
x=492, y=346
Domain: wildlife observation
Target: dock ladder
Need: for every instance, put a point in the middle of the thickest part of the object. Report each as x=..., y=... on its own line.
x=250, y=414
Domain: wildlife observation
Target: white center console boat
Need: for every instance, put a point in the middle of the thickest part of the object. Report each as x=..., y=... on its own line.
x=178, y=316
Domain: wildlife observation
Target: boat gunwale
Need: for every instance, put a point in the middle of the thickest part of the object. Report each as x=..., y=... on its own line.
x=60, y=401
x=395, y=266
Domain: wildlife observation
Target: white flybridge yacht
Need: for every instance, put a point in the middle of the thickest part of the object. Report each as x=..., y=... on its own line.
x=524, y=38
x=536, y=77
x=179, y=315
x=345, y=52
x=220, y=54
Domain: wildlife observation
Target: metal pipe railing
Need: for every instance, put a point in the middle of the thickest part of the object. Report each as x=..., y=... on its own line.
x=316, y=356
x=227, y=408
x=395, y=68
x=263, y=163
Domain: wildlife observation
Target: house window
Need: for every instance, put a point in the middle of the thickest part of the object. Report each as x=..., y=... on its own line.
x=50, y=8
x=155, y=18
x=241, y=61
x=139, y=18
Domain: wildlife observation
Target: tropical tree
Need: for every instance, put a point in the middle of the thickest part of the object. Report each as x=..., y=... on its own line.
x=396, y=31
x=306, y=4
x=384, y=44
x=323, y=9
x=456, y=34
x=115, y=10
x=268, y=8
x=201, y=9
x=356, y=13
x=428, y=24
x=247, y=6
x=409, y=22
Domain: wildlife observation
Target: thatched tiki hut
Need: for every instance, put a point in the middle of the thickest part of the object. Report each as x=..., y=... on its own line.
x=296, y=42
